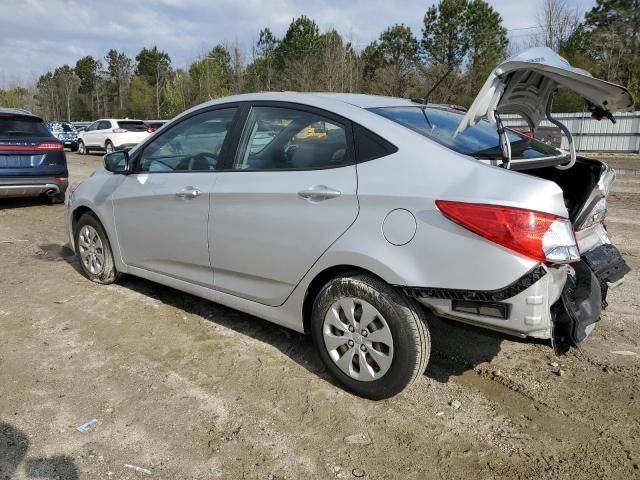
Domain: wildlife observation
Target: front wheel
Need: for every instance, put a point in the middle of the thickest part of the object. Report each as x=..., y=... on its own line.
x=373, y=339
x=94, y=250
x=82, y=150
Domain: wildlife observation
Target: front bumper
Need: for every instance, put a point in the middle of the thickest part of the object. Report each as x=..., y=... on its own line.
x=32, y=186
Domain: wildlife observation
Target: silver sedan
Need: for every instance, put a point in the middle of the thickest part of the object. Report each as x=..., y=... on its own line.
x=349, y=217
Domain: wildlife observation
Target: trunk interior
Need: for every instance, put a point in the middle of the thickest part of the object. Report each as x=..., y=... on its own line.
x=577, y=183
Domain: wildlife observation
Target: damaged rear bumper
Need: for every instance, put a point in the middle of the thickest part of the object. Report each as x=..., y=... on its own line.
x=557, y=302
x=585, y=295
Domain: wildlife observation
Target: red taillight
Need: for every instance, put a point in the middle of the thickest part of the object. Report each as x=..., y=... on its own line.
x=61, y=179
x=536, y=235
x=50, y=146
x=119, y=130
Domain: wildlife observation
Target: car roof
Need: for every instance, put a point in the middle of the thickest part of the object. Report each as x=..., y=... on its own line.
x=315, y=98
x=116, y=120
x=17, y=111
x=366, y=101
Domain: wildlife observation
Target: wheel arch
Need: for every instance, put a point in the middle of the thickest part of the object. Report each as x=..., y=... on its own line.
x=79, y=212
x=320, y=280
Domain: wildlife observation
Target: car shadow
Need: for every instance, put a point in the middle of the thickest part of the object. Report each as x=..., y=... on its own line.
x=23, y=202
x=455, y=347
x=14, y=445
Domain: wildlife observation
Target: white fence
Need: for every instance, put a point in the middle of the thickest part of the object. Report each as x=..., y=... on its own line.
x=592, y=135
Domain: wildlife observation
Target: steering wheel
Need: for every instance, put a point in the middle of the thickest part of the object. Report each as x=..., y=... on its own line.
x=210, y=158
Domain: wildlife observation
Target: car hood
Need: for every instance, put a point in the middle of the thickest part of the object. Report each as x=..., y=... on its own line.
x=524, y=83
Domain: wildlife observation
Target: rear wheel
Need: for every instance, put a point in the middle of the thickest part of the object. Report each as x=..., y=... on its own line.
x=94, y=250
x=57, y=198
x=108, y=146
x=82, y=150
x=373, y=339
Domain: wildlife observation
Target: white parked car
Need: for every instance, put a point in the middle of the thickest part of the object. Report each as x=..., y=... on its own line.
x=111, y=134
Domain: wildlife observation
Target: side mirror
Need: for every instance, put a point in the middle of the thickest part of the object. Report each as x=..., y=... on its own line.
x=117, y=162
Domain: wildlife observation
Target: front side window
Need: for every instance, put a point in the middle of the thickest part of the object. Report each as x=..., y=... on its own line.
x=104, y=125
x=93, y=126
x=480, y=141
x=191, y=145
x=276, y=138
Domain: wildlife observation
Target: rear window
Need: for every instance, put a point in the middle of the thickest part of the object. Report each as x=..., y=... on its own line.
x=132, y=125
x=480, y=141
x=17, y=126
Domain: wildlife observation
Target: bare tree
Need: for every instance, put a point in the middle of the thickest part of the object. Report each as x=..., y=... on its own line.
x=556, y=23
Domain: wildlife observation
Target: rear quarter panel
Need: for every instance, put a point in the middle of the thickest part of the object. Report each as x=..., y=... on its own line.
x=441, y=253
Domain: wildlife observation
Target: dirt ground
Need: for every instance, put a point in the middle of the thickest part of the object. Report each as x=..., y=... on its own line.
x=183, y=388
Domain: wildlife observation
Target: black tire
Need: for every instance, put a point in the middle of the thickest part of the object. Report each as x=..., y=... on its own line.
x=57, y=198
x=82, y=148
x=108, y=144
x=406, y=321
x=108, y=274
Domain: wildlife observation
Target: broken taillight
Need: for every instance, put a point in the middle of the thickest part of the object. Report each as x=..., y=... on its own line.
x=537, y=235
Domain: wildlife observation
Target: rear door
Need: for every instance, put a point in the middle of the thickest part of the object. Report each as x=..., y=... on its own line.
x=161, y=211
x=289, y=194
x=105, y=128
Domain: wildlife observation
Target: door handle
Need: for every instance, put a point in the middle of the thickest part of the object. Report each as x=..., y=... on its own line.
x=188, y=192
x=319, y=193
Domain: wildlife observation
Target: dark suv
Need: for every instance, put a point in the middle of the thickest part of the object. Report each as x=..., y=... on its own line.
x=32, y=160
x=65, y=132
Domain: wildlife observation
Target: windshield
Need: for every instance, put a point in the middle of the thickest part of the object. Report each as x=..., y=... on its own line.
x=17, y=126
x=480, y=141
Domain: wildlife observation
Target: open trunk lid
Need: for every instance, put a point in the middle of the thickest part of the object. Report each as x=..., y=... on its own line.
x=524, y=85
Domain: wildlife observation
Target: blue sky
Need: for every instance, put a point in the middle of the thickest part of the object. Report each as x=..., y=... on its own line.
x=38, y=35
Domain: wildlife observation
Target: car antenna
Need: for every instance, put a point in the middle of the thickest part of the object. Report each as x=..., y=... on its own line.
x=436, y=85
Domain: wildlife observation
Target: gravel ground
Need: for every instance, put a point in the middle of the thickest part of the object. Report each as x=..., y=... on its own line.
x=184, y=388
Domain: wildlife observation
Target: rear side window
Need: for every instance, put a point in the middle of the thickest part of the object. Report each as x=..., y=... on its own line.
x=104, y=125
x=370, y=146
x=17, y=126
x=277, y=138
x=132, y=125
x=480, y=141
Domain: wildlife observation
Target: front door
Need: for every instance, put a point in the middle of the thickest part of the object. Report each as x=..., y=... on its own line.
x=290, y=194
x=89, y=136
x=162, y=210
